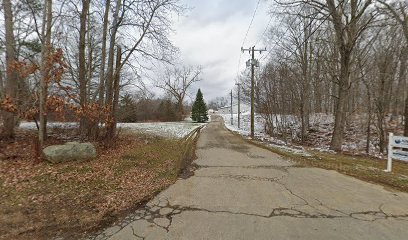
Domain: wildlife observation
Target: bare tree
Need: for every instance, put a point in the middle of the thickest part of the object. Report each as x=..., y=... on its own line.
x=399, y=11
x=151, y=18
x=12, y=77
x=1, y=85
x=349, y=20
x=105, y=43
x=82, y=61
x=117, y=18
x=177, y=82
x=45, y=51
x=386, y=69
x=101, y=87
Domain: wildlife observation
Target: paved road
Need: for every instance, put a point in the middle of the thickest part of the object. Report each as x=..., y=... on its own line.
x=244, y=192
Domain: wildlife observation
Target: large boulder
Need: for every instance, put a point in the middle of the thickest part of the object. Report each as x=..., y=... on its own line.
x=71, y=151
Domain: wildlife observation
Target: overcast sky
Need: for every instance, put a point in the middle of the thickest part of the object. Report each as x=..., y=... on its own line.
x=211, y=35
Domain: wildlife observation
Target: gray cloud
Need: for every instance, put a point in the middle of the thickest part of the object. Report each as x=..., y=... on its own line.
x=211, y=35
x=218, y=10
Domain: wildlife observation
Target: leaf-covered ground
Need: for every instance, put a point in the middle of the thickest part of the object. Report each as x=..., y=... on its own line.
x=72, y=199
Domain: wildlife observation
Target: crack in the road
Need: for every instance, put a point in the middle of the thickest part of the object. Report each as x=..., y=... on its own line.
x=134, y=233
x=165, y=211
x=151, y=213
x=276, y=212
x=241, y=177
x=254, y=156
x=279, y=168
x=330, y=208
x=290, y=191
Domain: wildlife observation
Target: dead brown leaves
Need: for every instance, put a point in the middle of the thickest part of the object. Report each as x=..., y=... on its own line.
x=79, y=195
x=61, y=99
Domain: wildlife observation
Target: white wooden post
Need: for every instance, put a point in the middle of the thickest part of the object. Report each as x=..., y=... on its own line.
x=389, y=162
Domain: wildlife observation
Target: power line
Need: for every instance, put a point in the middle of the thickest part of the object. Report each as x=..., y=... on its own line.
x=250, y=24
x=308, y=25
x=287, y=29
x=246, y=35
x=312, y=33
x=264, y=32
x=297, y=37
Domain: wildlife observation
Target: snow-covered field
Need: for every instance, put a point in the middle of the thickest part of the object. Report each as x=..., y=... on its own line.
x=162, y=129
x=51, y=125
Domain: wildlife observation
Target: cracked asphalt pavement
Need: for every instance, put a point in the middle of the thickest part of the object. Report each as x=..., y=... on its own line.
x=240, y=191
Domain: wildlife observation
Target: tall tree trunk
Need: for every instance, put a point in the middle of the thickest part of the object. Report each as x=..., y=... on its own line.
x=1, y=85
x=306, y=80
x=348, y=28
x=369, y=107
x=116, y=85
x=110, y=70
x=380, y=112
x=368, y=139
x=9, y=120
x=406, y=117
x=180, y=107
x=100, y=92
x=401, y=85
x=90, y=63
x=340, y=111
x=110, y=74
x=103, y=54
x=82, y=63
x=45, y=51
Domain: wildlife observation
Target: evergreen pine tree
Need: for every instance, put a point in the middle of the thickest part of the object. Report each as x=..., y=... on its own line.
x=199, y=110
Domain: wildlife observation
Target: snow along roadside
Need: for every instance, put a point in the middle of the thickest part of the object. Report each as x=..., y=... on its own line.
x=260, y=135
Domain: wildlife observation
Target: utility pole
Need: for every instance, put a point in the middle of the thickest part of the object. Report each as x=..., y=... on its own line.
x=232, y=118
x=254, y=63
x=239, y=104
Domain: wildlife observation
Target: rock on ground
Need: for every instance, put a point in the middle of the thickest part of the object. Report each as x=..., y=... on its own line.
x=71, y=151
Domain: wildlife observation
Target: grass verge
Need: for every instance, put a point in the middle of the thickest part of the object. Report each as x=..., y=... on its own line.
x=364, y=168
x=72, y=200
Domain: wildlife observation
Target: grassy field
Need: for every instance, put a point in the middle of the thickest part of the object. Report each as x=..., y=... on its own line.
x=77, y=198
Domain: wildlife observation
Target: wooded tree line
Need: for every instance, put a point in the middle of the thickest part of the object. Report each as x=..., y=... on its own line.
x=339, y=57
x=133, y=108
x=78, y=55
x=218, y=102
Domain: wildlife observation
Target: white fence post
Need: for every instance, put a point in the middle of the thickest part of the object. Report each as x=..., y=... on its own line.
x=389, y=162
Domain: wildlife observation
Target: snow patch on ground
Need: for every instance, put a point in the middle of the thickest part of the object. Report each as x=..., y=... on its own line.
x=245, y=130
x=64, y=125
x=320, y=132
x=162, y=129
